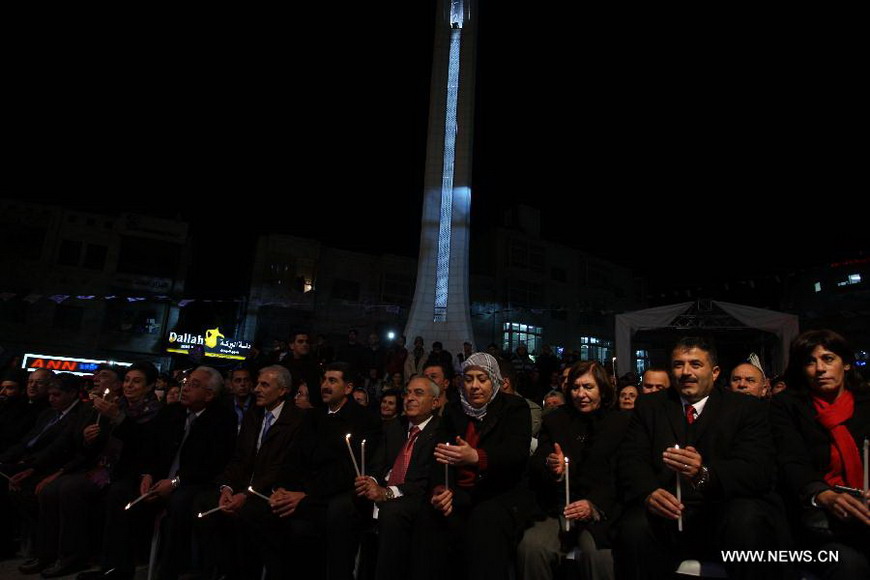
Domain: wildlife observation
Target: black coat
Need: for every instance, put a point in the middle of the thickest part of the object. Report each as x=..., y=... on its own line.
x=20, y=452
x=504, y=435
x=417, y=477
x=732, y=435
x=17, y=417
x=206, y=452
x=260, y=469
x=320, y=464
x=804, y=445
x=590, y=441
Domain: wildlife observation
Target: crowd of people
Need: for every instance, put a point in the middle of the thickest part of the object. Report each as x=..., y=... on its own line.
x=371, y=462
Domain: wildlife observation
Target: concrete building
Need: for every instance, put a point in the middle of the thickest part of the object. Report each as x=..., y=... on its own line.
x=94, y=285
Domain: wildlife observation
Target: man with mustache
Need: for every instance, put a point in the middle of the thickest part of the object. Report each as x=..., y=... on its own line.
x=312, y=526
x=718, y=444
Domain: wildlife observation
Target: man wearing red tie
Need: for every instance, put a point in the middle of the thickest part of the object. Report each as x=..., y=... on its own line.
x=717, y=444
x=401, y=478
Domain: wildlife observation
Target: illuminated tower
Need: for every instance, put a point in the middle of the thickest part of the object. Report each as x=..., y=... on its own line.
x=440, y=311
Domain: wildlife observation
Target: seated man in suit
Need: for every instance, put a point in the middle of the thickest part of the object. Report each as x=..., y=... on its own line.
x=311, y=526
x=717, y=444
x=263, y=446
x=30, y=459
x=401, y=477
x=189, y=447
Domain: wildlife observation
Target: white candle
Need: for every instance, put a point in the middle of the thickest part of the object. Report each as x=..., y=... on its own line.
x=106, y=392
x=138, y=499
x=211, y=511
x=866, y=461
x=257, y=493
x=362, y=458
x=679, y=498
x=447, y=472
x=567, y=494
x=352, y=456
x=10, y=479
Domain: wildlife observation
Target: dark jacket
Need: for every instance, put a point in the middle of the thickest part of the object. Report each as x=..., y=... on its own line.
x=804, y=446
x=23, y=452
x=17, y=417
x=260, y=469
x=206, y=451
x=417, y=476
x=319, y=463
x=504, y=436
x=732, y=435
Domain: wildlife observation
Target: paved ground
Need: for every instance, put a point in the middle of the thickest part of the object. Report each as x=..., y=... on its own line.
x=9, y=571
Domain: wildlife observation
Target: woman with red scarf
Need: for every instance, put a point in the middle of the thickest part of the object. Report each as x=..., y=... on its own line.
x=820, y=423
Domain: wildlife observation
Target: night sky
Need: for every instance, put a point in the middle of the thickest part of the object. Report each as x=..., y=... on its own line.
x=674, y=163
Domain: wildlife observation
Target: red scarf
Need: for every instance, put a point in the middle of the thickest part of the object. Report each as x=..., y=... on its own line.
x=845, y=468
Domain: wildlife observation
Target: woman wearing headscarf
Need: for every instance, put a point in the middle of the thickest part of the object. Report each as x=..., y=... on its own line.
x=477, y=516
x=820, y=424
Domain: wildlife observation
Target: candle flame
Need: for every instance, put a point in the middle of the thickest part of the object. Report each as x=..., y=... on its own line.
x=347, y=436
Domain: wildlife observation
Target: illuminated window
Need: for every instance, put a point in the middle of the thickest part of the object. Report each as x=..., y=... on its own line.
x=594, y=348
x=818, y=286
x=642, y=362
x=515, y=333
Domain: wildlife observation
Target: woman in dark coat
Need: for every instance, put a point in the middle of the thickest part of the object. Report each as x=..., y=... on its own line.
x=587, y=430
x=820, y=424
x=478, y=515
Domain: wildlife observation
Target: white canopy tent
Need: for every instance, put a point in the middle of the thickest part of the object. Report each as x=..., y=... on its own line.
x=784, y=326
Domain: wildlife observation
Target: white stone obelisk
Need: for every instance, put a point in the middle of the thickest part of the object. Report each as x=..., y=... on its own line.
x=441, y=308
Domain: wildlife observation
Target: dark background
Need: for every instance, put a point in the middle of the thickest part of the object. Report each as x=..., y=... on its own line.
x=689, y=157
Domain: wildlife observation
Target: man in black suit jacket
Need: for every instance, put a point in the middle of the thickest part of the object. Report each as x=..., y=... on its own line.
x=190, y=446
x=262, y=448
x=718, y=444
x=401, y=477
x=311, y=524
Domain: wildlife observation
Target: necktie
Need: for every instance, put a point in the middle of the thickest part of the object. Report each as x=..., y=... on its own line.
x=48, y=425
x=690, y=414
x=400, y=466
x=176, y=463
x=267, y=422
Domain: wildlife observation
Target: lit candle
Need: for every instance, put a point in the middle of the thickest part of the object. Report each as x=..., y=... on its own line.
x=138, y=499
x=614, y=367
x=447, y=472
x=106, y=392
x=211, y=511
x=257, y=493
x=567, y=493
x=352, y=457
x=362, y=459
x=679, y=498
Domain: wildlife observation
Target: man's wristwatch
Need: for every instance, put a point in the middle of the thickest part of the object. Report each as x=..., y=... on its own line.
x=176, y=481
x=701, y=479
x=388, y=494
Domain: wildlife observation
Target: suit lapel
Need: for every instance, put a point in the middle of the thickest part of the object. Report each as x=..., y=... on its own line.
x=424, y=436
x=676, y=418
x=712, y=410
